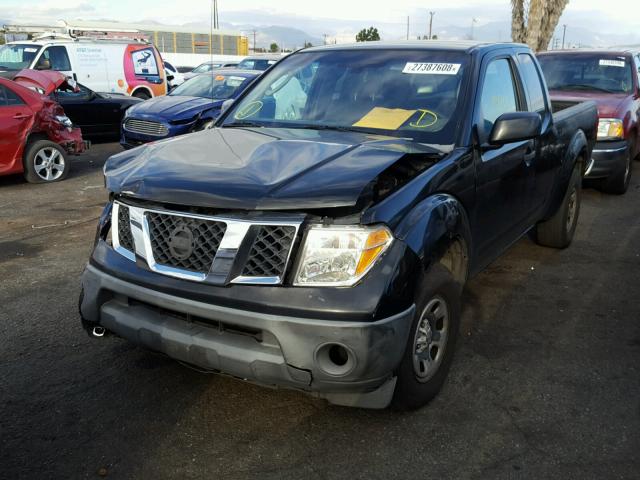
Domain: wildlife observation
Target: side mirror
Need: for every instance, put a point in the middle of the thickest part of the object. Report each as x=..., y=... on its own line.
x=515, y=127
x=170, y=77
x=225, y=106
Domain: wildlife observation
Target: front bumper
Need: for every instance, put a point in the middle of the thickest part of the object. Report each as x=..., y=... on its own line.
x=608, y=159
x=268, y=349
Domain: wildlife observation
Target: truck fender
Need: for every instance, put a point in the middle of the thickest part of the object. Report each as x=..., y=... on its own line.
x=437, y=230
x=578, y=146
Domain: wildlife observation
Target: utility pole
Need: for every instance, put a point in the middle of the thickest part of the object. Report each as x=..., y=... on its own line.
x=407, y=27
x=254, y=41
x=473, y=22
x=215, y=14
x=564, y=33
x=325, y=35
x=431, y=14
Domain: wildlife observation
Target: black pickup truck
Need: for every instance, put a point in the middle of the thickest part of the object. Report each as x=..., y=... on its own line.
x=319, y=236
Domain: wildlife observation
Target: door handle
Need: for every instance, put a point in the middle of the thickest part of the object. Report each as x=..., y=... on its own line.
x=20, y=116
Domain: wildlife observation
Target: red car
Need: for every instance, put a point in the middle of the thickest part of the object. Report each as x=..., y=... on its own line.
x=35, y=134
x=612, y=80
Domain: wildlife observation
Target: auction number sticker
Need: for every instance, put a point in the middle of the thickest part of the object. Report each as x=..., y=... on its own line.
x=612, y=63
x=432, y=68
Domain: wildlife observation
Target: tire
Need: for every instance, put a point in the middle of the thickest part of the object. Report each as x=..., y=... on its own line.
x=45, y=162
x=141, y=94
x=558, y=231
x=618, y=183
x=418, y=379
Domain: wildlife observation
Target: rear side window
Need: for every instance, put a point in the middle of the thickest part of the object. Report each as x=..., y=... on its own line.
x=144, y=62
x=533, y=86
x=8, y=98
x=498, y=94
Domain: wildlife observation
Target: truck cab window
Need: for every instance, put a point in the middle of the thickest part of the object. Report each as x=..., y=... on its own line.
x=54, y=58
x=498, y=94
x=532, y=83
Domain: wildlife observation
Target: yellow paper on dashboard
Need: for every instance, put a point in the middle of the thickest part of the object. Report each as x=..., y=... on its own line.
x=384, y=118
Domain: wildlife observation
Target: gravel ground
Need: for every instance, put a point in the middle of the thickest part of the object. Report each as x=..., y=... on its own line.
x=545, y=384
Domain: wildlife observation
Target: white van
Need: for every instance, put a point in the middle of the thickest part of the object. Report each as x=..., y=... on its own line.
x=114, y=66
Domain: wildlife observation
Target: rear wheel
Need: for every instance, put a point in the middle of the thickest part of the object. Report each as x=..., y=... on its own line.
x=431, y=344
x=45, y=162
x=558, y=231
x=142, y=94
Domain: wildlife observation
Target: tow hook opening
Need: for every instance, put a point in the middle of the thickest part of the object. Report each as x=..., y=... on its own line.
x=98, y=331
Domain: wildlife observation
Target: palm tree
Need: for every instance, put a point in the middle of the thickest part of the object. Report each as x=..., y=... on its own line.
x=534, y=21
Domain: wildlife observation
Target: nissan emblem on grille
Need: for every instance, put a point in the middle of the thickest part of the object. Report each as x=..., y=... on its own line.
x=181, y=242
x=184, y=242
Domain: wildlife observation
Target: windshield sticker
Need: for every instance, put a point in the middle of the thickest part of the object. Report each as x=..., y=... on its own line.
x=30, y=49
x=426, y=119
x=384, y=118
x=249, y=110
x=432, y=68
x=612, y=63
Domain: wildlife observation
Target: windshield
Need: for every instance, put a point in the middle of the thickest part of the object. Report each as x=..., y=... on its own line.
x=403, y=93
x=256, y=63
x=17, y=56
x=217, y=87
x=205, y=67
x=597, y=72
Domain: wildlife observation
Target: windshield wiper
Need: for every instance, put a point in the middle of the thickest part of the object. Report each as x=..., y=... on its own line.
x=583, y=87
x=242, y=124
x=337, y=128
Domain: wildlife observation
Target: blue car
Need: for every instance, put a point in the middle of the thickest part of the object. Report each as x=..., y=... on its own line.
x=190, y=107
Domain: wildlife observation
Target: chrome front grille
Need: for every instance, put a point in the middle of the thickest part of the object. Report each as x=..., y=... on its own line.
x=146, y=127
x=217, y=250
x=269, y=252
x=182, y=242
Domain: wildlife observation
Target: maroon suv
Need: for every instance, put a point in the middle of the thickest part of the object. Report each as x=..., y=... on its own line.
x=612, y=80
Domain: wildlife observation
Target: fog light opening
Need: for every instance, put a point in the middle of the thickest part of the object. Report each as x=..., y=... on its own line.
x=338, y=355
x=335, y=359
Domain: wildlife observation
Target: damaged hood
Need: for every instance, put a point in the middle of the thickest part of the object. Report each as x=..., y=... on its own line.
x=262, y=168
x=45, y=82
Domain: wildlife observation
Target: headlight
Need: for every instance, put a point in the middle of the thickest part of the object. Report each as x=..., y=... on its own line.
x=340, y=256
x=610, y=129
x=64, y=120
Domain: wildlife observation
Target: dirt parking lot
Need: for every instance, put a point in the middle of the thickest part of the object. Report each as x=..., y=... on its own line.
x=545, y=384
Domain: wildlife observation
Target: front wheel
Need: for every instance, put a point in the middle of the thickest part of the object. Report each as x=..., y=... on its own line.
x=45, y=162
x=558, y=231
x=618, y=183
x=431, y=344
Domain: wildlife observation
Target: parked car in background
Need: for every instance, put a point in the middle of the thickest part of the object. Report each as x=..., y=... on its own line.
x=192, y=106
x=174, y=77
x=258, y=62
x=612, y=80
x=320, y=239
x=35, y=134
x=114, y=66
x=99, y=115
x=211, y=66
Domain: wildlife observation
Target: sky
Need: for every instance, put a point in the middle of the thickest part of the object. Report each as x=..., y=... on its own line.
x=593, y=14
